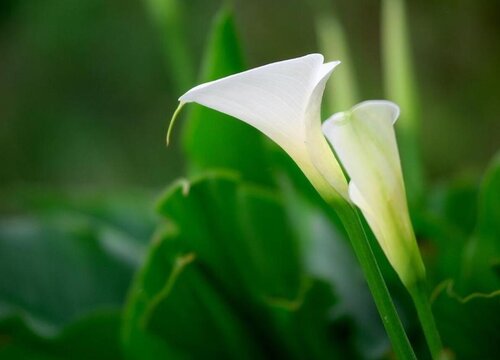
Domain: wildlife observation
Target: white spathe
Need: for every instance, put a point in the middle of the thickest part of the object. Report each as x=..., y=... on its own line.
x=283, y=101
x=365, y=143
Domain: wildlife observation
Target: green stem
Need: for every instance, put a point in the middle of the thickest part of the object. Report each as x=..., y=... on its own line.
x=424, y=311
x=390, y=318
x=168, y=16
x=401, y=87
x=341, y=90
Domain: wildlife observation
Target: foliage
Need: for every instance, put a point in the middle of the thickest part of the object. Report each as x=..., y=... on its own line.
x=245, y=260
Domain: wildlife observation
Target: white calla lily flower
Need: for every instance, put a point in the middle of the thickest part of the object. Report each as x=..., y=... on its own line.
x=283, y=101
x=365, y=142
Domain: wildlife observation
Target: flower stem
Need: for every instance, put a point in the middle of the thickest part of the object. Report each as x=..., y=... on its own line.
x=401, y=87
x=421, y=299
x=342, y=92
x=168, y=17
x=390, y=318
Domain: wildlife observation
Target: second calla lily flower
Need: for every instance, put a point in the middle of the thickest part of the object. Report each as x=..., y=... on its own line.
x=283, y=101
x=365, y=143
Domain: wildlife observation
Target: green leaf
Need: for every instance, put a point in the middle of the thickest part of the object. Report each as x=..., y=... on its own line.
x=215, y=140
x=159, y=272
x=224, y=210
x=226, y=280
x=489, y=206
x=192, y=316
x=468, y=327
x=482, y=263
x=444, y=227
x=456, y=203
x=60, y=268
x=93, y=337
x=307, y=329
x=174, y=310
x=126, y=211
x=70, y=264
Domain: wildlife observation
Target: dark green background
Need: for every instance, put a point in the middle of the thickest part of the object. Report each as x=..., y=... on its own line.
x=86, y=92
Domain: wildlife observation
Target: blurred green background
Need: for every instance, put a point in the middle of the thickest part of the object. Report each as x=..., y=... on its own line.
x=86, y=89
x=86, y=92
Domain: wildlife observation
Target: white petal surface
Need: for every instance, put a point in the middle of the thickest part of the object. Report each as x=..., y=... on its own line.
x=319, y=151
x=272, y=98
x=386, y=231
x=283, y=101
x=365, y=143
x=369, y=214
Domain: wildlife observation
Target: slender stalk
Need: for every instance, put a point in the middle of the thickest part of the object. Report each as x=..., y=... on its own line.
x=390, y=318
x=341, y=90
x=424, y=311
x=401, y=87
x=167, y=16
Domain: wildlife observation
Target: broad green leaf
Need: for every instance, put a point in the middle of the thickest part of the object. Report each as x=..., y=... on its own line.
x=59, y=268
x=482, y=257
x=444, y=226
x=468, y=326
x=456, y=204
x=174, y=311
x=308, y=328
x=93, y=337
x=489, y=205
x=240, y=281
x=69, y=265
x=215, y=140
x=129, y=211
x=460, y=205
x=192, y=315
x=234, y=227
x=441, y=245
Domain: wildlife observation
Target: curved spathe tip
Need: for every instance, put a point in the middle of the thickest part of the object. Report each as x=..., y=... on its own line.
x=375, y=108
x=392, y=108
x=172, y=122
x=326, y=70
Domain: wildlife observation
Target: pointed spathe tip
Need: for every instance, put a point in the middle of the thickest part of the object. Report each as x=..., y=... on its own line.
x=172, y=122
